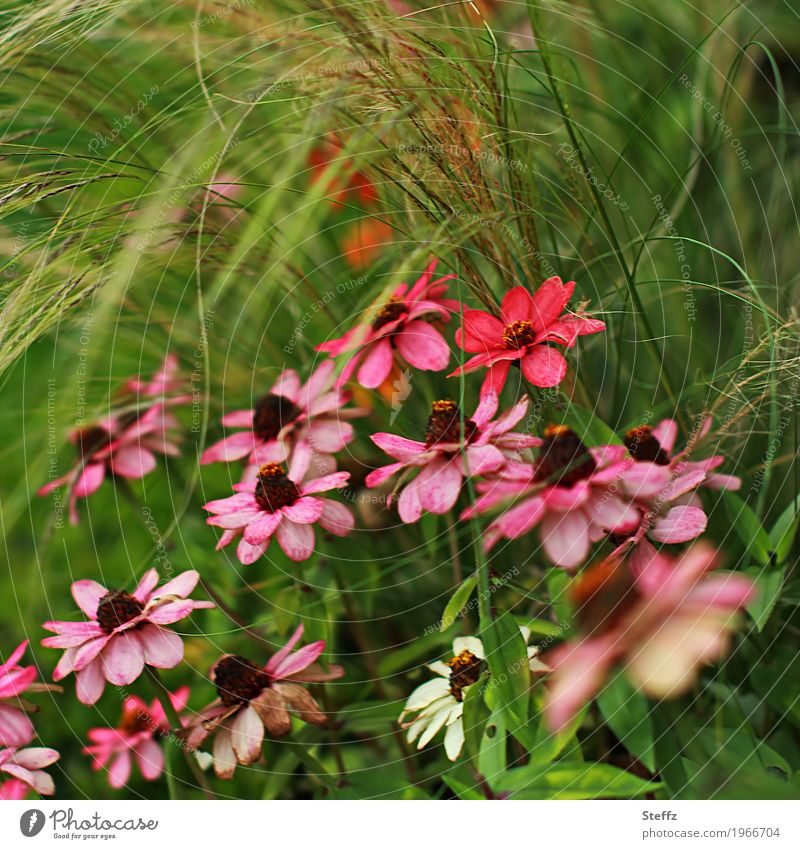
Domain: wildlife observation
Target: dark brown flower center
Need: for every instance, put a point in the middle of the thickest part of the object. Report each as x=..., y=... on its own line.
x=602, y=594
x=238, y=680
x=115, y=609
x=274, y=489
x=136, y=719
x=563, y=458
x=390, y=311
x=465, y=669
x=645, y=447
x=518, y=334
x=444, y=424
x=272, y=414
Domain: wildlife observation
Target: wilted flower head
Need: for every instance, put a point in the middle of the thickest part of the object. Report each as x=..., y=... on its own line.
x=136, y=737
x=453, y=449
x=659, y=619
x=124, y=444
x=398, y=328
x=15, y=681
x=123, y=632
x=255, y=698
x=527, y=327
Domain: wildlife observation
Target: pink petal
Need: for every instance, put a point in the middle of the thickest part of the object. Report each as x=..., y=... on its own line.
x=566, y=498
x=90, y=683
x=518, y=305
x=232, y=447
x=150, y=759
x=299, y=660
x=238, y=418
x=181, y=585
x=409, y=506
x=87, y=595
x=262, y=528
x=329, y=436
x=297, y=541
x=439, y=484
x=89, y=481
x=36, y=758
x=495, y=379
x=543, y=366
x=481, y=332
x=248, y=553
x=565, y=537
x=482, y=459
x=247, y=735
x=161, y=647
x=146, y=586
x=379, y=476
x=549, y=301
x=666, y=432
x=680, y=524
x=336, y=518
x=119, y=770
x=327, y=482
x=398, y=447
x=122, y=658
x=276, y=659
x=132, y=461
x=521, y=518
x=376, y=365
x=423, y=346
x=645, y=480
x=15, y=727
x=304, y=511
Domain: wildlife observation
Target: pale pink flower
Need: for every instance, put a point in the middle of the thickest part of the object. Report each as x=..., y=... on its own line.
x=523, y=334
x=450, y=453
x=398, y=328
x=15, y=681
x=124, y=444
x=283, y=505
x=255, y=698
x=27, y=766
x=123, y=632
x=135, y=738
x=569, y=493
x=290, y=415
x=658, y=619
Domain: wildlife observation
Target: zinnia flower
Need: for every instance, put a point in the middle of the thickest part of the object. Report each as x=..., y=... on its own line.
x=123, y=444
x=660, y=621
x=123, y=632
x=526, y=325
x=135, y=737
x=14, y=789
x=255, y=698
x=15, y=680
x=398, y=327
x=27, y=766
x=280, y=504
x=569, y=493
x=439, y=703
x=486, y=446
x=288, y=416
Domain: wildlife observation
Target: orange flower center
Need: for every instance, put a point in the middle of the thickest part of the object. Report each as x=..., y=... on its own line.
x=465, y=669
x=390, y=311
x=563, y=458
x=274, y=489
x=444, y=424
x=518, y=334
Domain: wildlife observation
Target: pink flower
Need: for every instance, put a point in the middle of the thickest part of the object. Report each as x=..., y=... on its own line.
x=280, y=504
x=526, y=325
x=666, y=484
x=136, y=736
x=569, y=493
x=123, y=444
x=660, y=620
x=27, y=765
x=14, y=789
x=486, y=446
x=253, y=699
x=399, y=327
x=123, y=632
x=288, y=416
x=15, y=727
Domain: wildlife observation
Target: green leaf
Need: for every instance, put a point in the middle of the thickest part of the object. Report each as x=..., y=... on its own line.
x=548, y=746
x=460, y=788
x=572, y=780
x=746, y=524
x=769, y=583
x=457, y=602
x=475, y=715
x=783, y=531
x=627, y=713
x=589, y=427
x=492, y=760
x=510, y=681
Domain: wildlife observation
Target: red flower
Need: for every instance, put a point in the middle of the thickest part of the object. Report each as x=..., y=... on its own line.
x=527, y=323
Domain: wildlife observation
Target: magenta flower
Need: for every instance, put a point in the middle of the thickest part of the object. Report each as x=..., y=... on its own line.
x=14, y=789
x=526, y=325
x=288, y=416
x=660, y=621
x=450, y=453
x=569, y=493
x=123, y=444
x=15, y=727
x=281, y=505
x=398, y=328
x=253, y=699
x=27, y=766
x=123, y=632
x=136, y=737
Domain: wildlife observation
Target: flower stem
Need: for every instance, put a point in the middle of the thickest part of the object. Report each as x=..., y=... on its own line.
x=175, y=722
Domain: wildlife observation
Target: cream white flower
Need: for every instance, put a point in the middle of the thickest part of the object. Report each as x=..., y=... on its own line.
x=439, y=703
